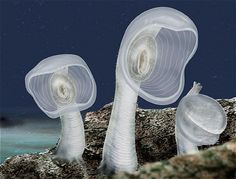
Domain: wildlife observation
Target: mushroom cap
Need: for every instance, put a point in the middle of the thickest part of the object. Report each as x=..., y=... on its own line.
x=75, y=73
x=175, y=40
x=201, y=119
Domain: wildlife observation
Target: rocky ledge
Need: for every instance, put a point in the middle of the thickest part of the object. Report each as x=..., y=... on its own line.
x=155, y=141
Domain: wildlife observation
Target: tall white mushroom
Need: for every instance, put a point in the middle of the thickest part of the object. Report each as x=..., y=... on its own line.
x=200, y=120
x=154, y=51
x=62, y=85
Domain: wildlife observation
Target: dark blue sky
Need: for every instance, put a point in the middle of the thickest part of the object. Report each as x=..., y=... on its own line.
x=33, y=30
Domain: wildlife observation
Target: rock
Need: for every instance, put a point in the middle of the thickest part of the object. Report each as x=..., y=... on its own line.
x=216, y=162
x=155, y=141
x=38, y=166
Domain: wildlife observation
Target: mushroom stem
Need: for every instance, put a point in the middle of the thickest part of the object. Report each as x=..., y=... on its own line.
x=184, y=146
x=72, y=141
x=119, y=153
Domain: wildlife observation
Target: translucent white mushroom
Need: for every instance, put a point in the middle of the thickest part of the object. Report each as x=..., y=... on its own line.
x=199, y=121
x=62, y=85
x=154, y=51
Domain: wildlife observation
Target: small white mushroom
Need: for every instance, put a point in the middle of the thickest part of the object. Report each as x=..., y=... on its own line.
x=154, y=51
x=62, y=85
x=199, y=121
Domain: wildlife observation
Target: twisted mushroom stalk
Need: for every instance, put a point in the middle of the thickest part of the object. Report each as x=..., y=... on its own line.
x=199, y=121
x=119, y=152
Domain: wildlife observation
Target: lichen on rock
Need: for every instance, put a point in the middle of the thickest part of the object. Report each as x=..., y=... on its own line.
x=216, y=162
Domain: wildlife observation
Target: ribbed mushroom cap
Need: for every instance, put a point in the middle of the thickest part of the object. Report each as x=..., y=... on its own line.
x=167, y=39
x=77, y=91
x=201, y=119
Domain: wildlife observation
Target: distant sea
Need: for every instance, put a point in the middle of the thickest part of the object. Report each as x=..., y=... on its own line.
x=27, y=135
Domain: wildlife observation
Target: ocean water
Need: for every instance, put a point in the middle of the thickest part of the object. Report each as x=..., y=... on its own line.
x=28, y=135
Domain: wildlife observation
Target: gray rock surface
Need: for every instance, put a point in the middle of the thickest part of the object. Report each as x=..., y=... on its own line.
x=155, y=141
x=216, y=162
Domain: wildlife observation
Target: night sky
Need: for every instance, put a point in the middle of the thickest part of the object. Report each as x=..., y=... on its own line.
x=33, y=30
